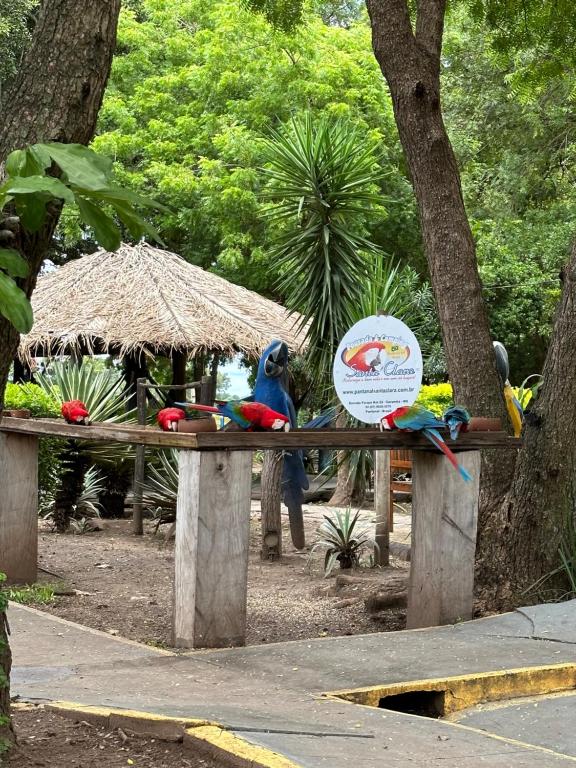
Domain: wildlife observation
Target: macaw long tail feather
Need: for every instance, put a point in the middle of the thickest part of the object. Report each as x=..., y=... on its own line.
x=439, y=443
x=198, y=407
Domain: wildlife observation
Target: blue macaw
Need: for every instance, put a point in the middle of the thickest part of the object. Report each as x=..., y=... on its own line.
x=271, y=389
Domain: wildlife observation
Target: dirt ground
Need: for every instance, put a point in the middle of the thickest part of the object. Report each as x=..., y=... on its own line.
x=46, y=740
x=122, y=584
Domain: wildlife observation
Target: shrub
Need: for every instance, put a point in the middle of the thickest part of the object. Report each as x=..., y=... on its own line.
x=436, y=397
x=40, y=405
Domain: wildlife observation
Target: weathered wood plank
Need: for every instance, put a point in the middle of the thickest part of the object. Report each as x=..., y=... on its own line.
x=444, y=518
x=212, y=544
x=382, y=507
x=250, y=441
x=19, y=508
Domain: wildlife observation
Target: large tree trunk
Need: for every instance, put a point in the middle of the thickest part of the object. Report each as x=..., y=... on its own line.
x=55, y=97
x=525, y=532
x=410, y=62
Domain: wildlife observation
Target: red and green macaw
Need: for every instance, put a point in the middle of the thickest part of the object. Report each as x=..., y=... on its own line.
x=415, y=418
x=247, y=415
x=456, y=419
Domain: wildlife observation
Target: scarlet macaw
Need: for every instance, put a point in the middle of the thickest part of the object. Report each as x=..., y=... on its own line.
x=75, y=412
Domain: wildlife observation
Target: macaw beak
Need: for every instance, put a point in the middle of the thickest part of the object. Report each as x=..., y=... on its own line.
x=276, y=360
x=384, y=424
x=280, y=425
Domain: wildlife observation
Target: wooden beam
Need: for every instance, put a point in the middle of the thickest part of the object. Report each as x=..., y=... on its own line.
x=212, y=545
x=382, y=507
x=19, y=508
x=444, y=518
x=251, y=441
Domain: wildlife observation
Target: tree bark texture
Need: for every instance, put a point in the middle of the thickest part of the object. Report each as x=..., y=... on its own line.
x=271, y=499
x=526, y=531
x=56, y=96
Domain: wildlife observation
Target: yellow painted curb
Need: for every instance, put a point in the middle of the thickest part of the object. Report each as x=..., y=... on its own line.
x=218, y=742
x=205, y=735
x=451, y=694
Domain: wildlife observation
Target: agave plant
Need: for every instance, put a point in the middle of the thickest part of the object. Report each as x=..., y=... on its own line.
x=160, y=489
x=87, y=504
x=105, y=397
x=342, y=539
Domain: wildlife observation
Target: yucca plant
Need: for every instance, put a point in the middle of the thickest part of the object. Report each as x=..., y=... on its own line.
x=87, y=503
x=105, y=397
x=323, y=186
x=342, y=539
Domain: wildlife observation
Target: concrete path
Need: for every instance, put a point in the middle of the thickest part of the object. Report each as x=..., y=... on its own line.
x=272, y=695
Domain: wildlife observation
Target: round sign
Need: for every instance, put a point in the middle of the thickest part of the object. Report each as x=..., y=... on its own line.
x=377, y=368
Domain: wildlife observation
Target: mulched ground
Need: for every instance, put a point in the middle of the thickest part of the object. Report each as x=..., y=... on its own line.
x=46, y=740
x=122, y=584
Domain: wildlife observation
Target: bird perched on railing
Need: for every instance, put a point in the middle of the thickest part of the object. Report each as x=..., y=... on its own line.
x=251, y=417
x=271, y=389
x=75, y=412
x=513, y=406
x=456, y=419
x=415, y=418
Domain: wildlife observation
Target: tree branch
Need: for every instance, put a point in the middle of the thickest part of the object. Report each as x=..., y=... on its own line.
x=430, y=26
x=391, y=29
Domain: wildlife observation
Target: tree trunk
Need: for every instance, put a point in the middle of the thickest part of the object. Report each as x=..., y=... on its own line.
x=270, y=504
x=72, y=474
x=523, y=535
x=342, y=496
x=55, y=96
x=410, y=62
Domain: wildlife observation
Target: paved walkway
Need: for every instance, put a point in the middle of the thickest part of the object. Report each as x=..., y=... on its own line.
x=271, y=695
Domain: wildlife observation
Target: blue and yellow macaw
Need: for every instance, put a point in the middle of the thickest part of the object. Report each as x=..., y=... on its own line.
x=513, y=406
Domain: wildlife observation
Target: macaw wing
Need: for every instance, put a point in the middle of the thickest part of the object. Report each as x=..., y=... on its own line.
x=324, y=419
x=418, y=419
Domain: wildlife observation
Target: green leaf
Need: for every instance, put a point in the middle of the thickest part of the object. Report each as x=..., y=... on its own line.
x=13, y=263
x=104, y=227
x=14, y=304
x=15, y=162
x=112, y=194
x=82, y=166
x=30, y=185
x=32, y=210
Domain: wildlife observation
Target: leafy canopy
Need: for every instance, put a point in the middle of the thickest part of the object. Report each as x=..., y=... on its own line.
x=85, y=181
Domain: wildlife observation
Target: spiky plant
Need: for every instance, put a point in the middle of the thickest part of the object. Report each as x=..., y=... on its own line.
x=323, y=178
x=160, y=489
x=104, y=394
x=342, y=539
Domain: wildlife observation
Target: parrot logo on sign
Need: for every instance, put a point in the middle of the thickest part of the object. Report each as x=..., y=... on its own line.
x=371, y=356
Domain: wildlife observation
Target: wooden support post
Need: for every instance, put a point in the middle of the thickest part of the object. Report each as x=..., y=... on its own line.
x=139, y=462
x=19, y=508
x=382, y=503
x=444, y=518
x=270, y=501
x=207, y=390
x=212, y=544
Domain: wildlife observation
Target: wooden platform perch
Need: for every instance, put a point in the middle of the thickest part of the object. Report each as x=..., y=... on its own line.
x=213, y=515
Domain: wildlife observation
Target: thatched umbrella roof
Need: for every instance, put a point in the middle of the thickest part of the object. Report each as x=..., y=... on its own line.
x=144, y=298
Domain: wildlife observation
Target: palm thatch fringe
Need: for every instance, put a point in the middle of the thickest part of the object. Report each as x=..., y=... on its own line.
x=143, y=299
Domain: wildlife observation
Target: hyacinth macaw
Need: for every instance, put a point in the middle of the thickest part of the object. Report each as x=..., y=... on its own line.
x=249, y=416
x=415, y=418
x=513, y=406
x=75, y=412
x=271, y=390
x=456, y=419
